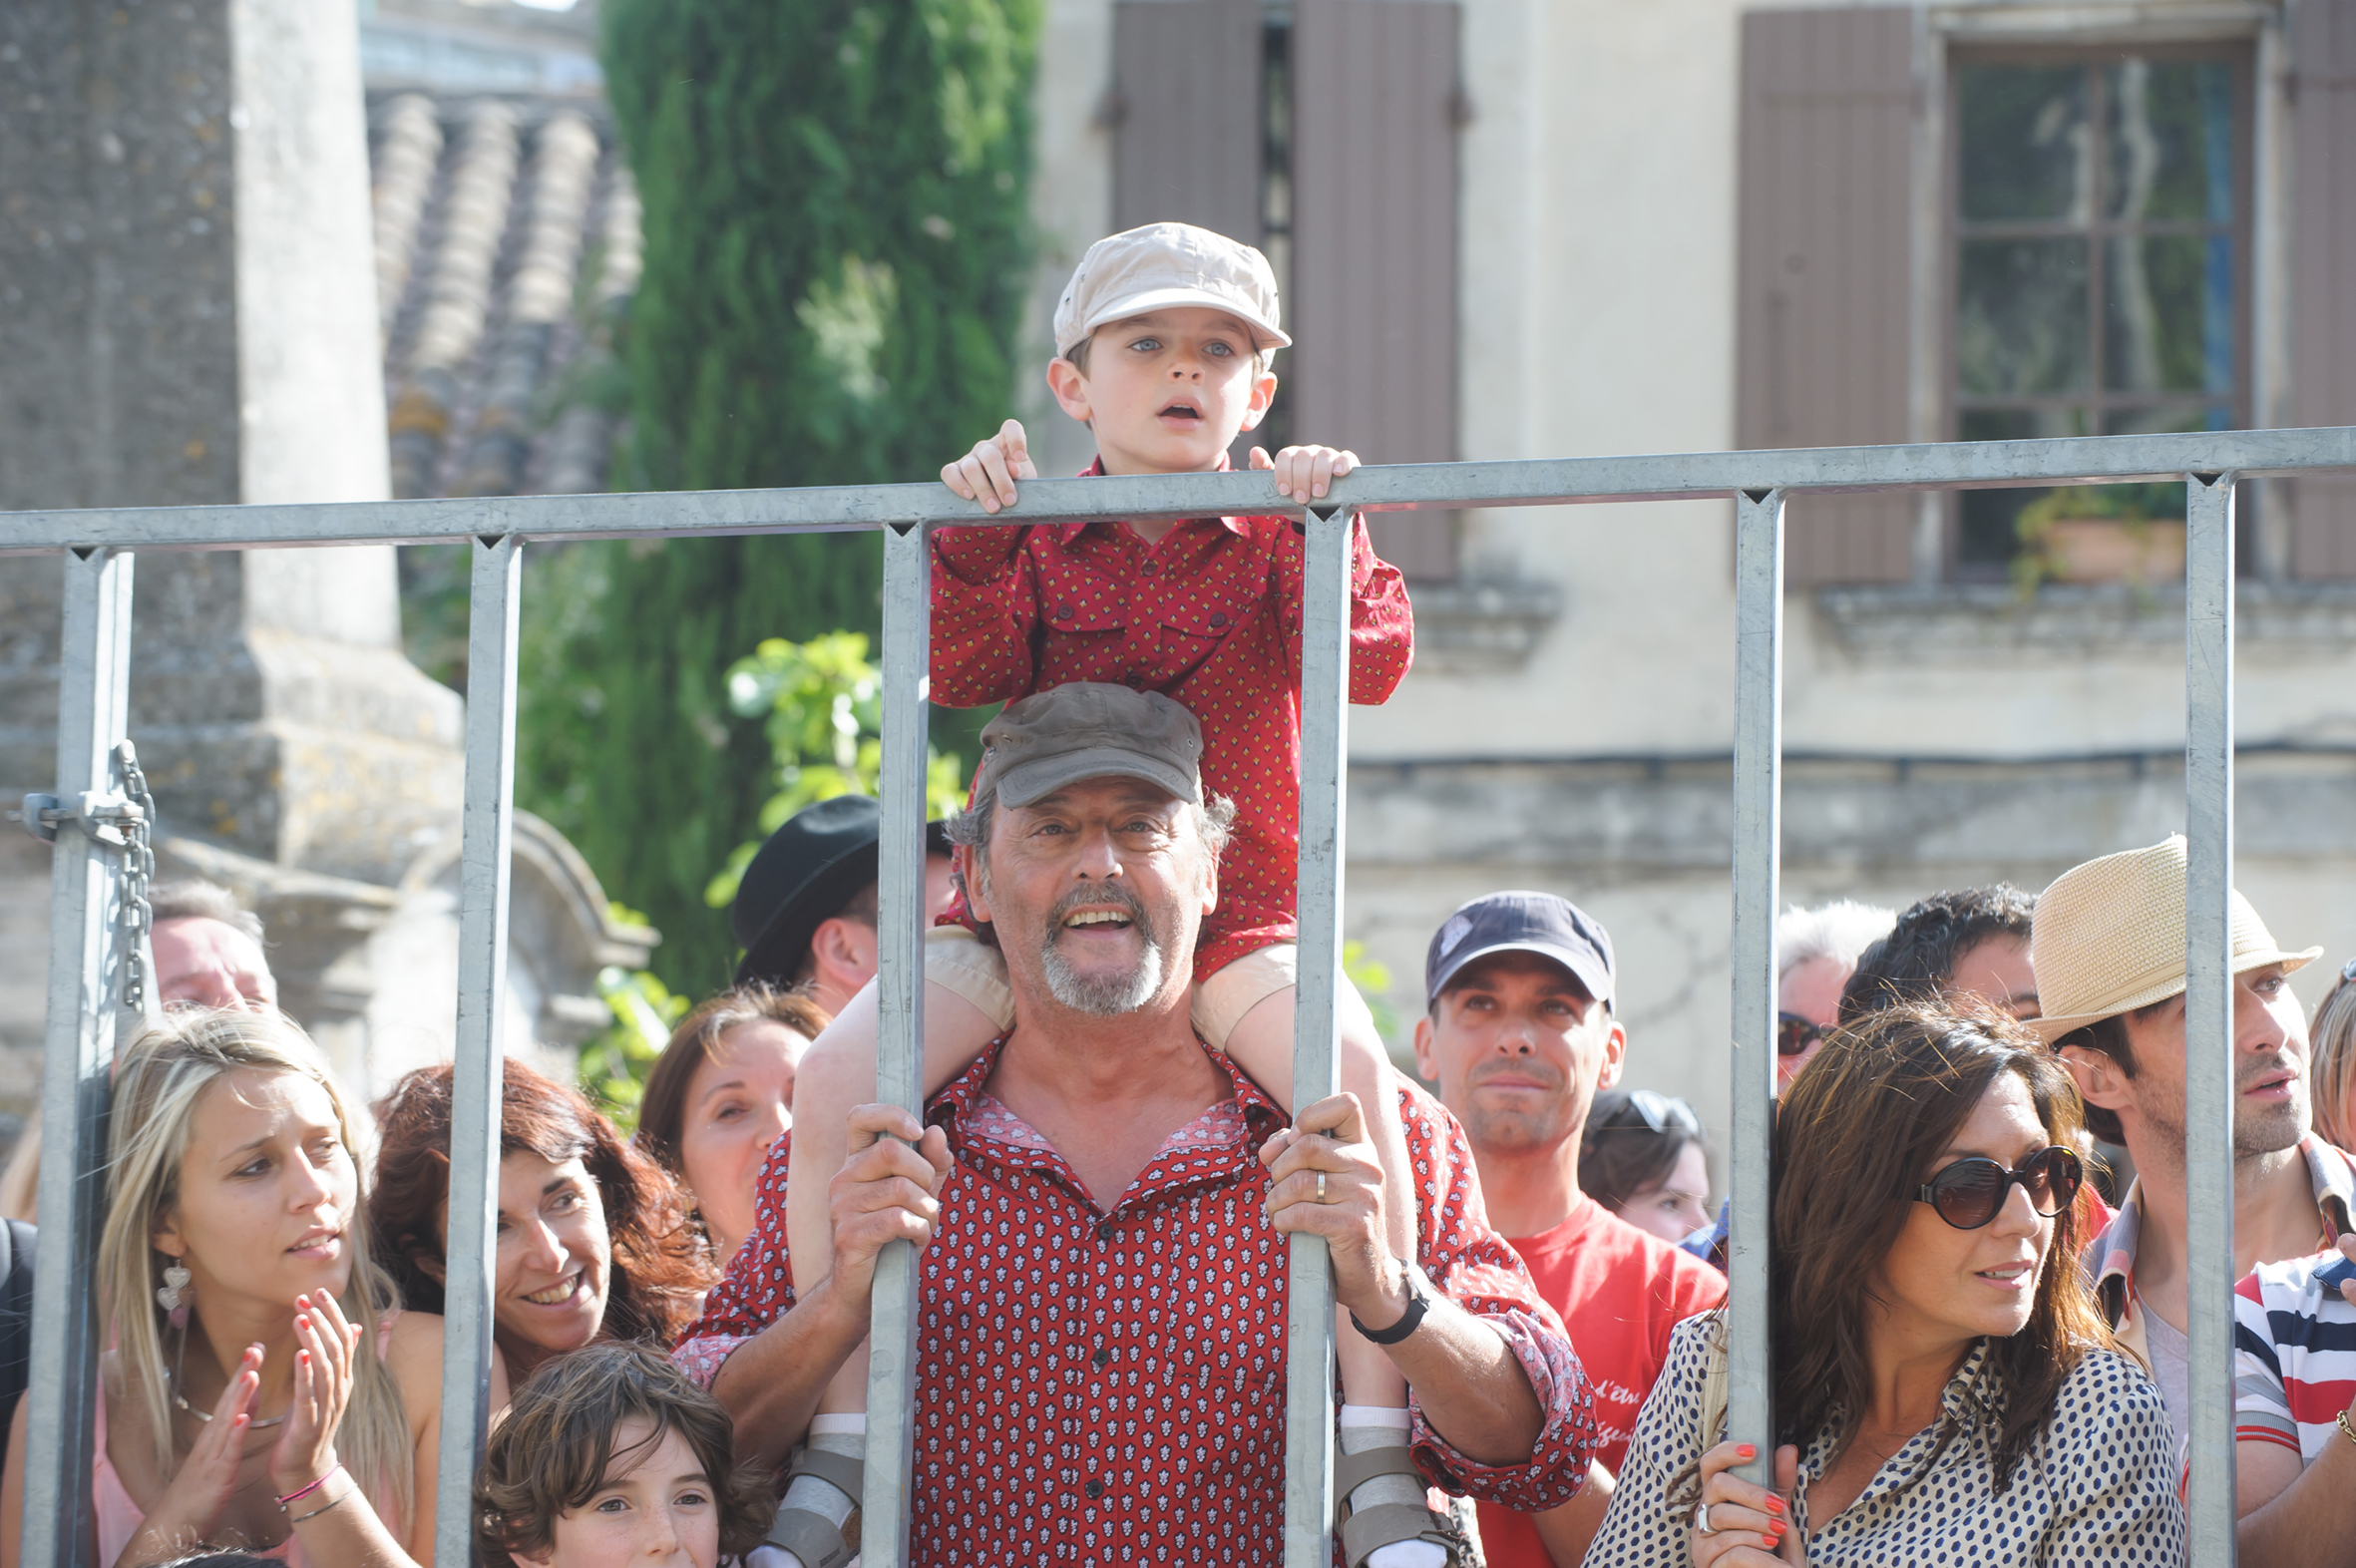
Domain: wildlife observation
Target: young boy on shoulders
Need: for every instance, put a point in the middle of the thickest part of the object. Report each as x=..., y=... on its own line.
x=1165, y=338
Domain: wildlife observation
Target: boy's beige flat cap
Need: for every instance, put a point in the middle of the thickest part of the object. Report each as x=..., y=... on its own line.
x=2109, y=938
x=1163, y=265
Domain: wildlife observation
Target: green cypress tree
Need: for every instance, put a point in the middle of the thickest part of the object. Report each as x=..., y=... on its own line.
x=836, y=257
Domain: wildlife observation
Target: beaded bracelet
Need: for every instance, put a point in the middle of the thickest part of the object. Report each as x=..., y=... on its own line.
x=302, y=1492
x=2345, y=1432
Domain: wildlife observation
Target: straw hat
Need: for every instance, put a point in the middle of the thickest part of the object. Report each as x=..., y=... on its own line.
x=2109, y=938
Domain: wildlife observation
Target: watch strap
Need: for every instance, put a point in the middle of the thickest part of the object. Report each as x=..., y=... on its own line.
x=1419, y=1302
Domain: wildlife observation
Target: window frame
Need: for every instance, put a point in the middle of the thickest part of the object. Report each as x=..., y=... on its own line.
x=2240, y=55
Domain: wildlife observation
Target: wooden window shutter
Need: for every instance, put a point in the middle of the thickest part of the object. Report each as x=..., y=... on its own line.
x=1372, y=301
x=1823, y=267
x=2323, y=272
x=1186, y=114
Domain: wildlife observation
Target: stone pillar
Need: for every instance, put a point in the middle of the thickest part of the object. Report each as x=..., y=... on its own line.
x=188, y=315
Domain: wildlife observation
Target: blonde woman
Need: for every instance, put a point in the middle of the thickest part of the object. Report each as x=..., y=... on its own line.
x=2331, y=1060
x=262, y=1390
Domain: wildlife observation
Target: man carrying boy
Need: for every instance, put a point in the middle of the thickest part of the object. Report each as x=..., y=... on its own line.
x=1104, y=1201
x=1163, y=340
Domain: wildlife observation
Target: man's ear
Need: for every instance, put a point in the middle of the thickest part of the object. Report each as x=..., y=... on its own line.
x=1263, y=394
x=1069, y=383
x=431, y=1266
x=844, y=949
x=2099, y=1080
x=1615, y=1055
x=1426, y=1056
x=969, y=864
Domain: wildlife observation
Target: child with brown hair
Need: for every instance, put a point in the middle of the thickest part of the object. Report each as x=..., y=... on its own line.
x=611, y=1457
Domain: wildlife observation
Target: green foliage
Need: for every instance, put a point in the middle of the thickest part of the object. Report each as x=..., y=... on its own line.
x=836, y=246
x=821, y=706
x=615, y=1064
x=1371, y=976
x=835, y=259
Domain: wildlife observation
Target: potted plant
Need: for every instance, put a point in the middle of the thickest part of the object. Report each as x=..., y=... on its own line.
x=2102, y=534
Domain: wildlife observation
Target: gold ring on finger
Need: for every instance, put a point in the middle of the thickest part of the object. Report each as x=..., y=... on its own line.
x=1321, y=1186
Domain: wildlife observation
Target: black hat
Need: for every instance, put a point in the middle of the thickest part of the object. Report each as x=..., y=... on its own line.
x=812, y=866
x=1539, y=923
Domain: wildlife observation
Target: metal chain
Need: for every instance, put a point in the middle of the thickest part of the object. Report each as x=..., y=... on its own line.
x=138, y=872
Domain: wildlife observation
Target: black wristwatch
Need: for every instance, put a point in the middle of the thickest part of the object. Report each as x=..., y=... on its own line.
x=1419, y=1302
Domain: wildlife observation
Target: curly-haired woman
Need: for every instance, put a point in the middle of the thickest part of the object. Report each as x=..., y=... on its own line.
x=593, y=1238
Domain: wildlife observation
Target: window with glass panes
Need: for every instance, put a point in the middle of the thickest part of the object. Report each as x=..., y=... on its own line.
x=2100, y=268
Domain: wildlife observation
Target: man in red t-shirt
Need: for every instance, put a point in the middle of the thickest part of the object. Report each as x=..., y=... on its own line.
x=1521, y=1036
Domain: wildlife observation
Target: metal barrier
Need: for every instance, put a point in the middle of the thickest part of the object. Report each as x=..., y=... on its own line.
x=88, y=953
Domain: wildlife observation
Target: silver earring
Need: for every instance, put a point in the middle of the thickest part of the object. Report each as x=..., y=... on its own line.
x=176, y=1280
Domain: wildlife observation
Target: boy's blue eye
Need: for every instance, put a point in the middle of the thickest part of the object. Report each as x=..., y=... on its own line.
x=1146, y=345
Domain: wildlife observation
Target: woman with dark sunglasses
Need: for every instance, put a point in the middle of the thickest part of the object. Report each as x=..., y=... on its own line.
x=1944, y=1389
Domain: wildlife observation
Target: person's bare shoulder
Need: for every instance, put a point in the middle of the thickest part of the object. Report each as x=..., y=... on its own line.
x=413, y=1355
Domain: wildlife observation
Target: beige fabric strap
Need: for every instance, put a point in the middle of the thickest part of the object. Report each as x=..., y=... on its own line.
x=1714, y=1391
x=810, y=1537
x=1353, y=1470
x=839, y=1470
x=1369, y=1528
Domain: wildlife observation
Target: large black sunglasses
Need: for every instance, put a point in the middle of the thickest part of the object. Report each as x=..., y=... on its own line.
x=1794, y=1033
x=1970, y=1193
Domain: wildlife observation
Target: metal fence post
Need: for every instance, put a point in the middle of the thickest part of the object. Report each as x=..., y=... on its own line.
x=1324, y=770
x=86, y=958
x=2209, y=1007
x=476, y=1090
x=1758, y=851
x=887, y=1506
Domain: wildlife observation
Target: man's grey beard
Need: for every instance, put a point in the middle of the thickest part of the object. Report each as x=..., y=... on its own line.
x=1102, y=996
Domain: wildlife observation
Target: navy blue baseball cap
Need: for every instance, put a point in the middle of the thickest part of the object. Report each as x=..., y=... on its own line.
x=1539, y=923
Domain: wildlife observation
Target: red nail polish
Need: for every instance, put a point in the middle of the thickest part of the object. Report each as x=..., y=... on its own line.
x=1748, y=1451
x=1776, y=1506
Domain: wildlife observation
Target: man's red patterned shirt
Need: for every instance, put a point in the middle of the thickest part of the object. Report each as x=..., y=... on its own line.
x=1109, y=1387
x=1209, y=614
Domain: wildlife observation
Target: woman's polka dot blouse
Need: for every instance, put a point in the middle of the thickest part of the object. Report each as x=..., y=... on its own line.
x=2097, y=1485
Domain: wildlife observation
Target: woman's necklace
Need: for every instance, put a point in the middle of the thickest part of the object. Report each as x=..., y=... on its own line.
x=173, y=1382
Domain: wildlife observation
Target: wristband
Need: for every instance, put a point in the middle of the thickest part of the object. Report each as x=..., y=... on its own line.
x=1419, y=1302
x=302, y=1492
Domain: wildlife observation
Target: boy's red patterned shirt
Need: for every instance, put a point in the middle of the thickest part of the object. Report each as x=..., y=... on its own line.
x=1208, y=614
x=1101, y=1386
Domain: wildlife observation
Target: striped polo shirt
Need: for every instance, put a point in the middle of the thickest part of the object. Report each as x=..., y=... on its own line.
x=2294, y=1355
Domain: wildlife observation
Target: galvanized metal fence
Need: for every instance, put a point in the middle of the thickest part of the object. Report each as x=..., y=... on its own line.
x=90, y=953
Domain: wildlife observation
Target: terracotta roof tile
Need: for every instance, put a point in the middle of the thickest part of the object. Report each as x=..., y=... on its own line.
x=506, y=245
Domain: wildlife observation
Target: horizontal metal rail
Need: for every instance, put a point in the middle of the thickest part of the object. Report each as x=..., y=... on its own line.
x=86, y=964
x=1387, y=488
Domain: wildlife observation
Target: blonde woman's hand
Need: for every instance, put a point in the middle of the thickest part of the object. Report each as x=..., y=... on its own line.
x=323, y=1372
x=1750, y=1526
x=200, y=1488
